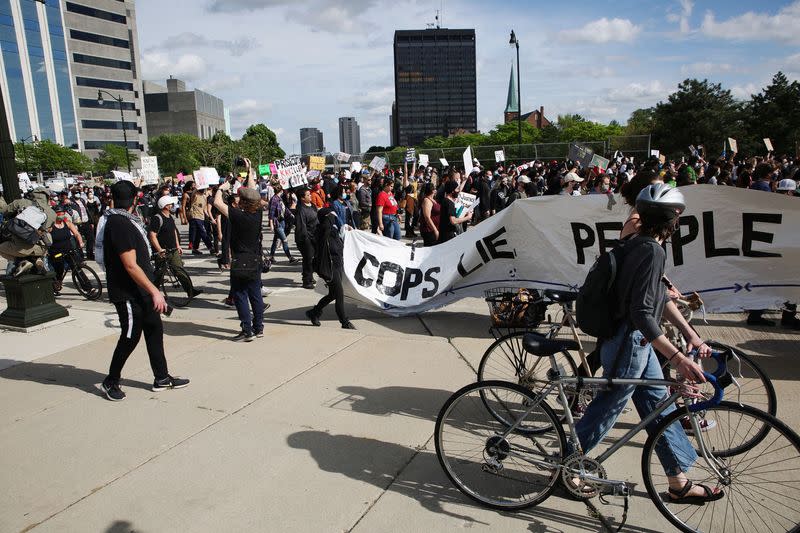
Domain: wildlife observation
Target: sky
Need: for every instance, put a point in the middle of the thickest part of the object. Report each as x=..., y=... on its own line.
x=303, y=63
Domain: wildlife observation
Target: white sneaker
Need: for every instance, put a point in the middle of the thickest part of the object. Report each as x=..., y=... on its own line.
x=265, y=291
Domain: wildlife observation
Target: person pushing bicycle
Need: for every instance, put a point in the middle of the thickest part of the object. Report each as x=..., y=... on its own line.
x=65, y=236
x=630, y=352
x=164, y=238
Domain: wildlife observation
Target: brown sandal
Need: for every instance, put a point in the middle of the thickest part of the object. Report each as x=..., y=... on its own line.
x=680, y=496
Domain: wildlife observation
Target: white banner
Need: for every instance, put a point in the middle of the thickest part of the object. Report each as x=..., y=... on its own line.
x=738, y=248
x=149, y=172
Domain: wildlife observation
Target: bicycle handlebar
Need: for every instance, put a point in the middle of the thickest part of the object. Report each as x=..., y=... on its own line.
x=719, y=379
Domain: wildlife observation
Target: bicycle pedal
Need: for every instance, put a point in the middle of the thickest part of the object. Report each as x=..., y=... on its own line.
x=615, y=488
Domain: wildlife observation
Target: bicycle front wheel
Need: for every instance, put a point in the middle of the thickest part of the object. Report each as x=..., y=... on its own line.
x=173, y=290
x=507, y=360
x=87, y=282
x=761, y=486
x=494, y=465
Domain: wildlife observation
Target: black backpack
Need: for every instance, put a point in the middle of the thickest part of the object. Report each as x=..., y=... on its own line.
x=596, y=305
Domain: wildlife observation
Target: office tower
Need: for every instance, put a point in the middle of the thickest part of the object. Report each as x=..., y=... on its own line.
x=104, y=57
x=173, y=109
x=34, y=72
x=311, y=141
x=435, y=84
x=349, y=135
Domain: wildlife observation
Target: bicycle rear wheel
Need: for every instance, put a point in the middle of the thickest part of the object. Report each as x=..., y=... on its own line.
x=173, y=290
x=503, y=471
x=507, y=360
x=87, y=282
x=761, y=485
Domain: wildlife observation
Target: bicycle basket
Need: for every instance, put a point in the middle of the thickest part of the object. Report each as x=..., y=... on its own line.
x=515, y=307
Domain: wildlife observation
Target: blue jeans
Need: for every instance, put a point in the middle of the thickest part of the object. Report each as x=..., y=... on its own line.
x=280, y=235
x=247, y=294
x=635, y=359
x=391, y=227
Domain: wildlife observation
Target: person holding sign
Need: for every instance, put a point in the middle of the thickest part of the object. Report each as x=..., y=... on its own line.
x=388, y=223
x=449, y=219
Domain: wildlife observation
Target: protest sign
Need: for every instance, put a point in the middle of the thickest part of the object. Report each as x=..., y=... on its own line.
x=25, y=183
x=343, y=157
x=378, y=163
x=423, y=160
x=180, y=178
x=467, y=160
x=465, y=202
x=411, y=155
x=692, y=150
x=598, y=161
x=200, y=180
x=120, y=176
x=732, y=145
x=316, y=162
x=444, y=162
x=263, y=170
x=149, y=172
x=662, y=159
x=552, y=242
x=355, y=166
x=242, y=174
x=581, y=154
x=290, y=172
x=499, y=155
x=273, y=169
x=655, y=153
x=205, y=177
x=768, y=144
x=311, y=174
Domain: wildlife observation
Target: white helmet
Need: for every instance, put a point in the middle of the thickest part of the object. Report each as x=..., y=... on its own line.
x=660, y=202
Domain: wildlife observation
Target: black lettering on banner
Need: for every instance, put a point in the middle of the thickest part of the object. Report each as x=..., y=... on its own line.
x=463, y=271
x=397, y=270
x=679, y=240
x=493, y=243
x=429, y=278
x=582, y=241
x=709, y=238
x=602, y=228
x=749, y=234
x=412, y=278
x=360, y=279
x=482, y=251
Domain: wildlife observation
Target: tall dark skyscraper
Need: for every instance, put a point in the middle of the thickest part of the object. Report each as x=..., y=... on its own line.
x=434, y=84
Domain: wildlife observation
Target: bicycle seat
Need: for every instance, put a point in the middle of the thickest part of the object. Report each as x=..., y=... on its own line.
x=562, y=297
x=541, y=346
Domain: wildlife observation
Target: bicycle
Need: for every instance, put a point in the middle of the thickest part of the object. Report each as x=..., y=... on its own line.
x=504, y=447
x=507, y=360
x=173, y=280
x=84, y=277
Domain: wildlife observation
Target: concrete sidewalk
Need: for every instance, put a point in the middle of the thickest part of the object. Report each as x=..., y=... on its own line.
x=308, y=429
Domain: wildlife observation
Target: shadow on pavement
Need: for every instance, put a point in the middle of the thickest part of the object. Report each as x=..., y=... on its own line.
x=63, y=375
x=121, y=526
x=190, y=329
x=378, y=463
x=407, y=401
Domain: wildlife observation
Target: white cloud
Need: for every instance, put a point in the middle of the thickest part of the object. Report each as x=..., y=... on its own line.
x=193, y=40
x=237, y=6
x=637, y=92
x=793, y=63
x=687, y=6
x=221, y=83
x=159, y=66
x=602, y=31
x=707, y=68
x=743, y=92
x=751, y=26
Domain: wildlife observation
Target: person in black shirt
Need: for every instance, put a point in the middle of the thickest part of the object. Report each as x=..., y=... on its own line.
x=304, y=235
x=245, y=231
x=448, y=219
x=165, y=241
x=129, y=275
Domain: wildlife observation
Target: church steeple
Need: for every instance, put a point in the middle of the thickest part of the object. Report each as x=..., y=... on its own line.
x=512, y=105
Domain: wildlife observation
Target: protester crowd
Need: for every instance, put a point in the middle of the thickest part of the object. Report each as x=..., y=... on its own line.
x=226, y=220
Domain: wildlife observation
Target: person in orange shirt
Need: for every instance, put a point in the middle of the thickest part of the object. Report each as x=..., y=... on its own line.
x=317, y=194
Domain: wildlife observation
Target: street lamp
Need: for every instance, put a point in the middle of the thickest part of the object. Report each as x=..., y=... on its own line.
x=118, y=99
x=513, y=41
x=24, y=151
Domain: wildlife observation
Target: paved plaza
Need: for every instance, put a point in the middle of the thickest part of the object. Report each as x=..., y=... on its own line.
x=308, y=429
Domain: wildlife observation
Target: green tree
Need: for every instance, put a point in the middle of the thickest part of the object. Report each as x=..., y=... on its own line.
x=774, y=113
x=589, y=131
x=260, y=145
x=47, y=155
x=699, y=112
x=220, y=151
x=641, y=122
x=509, y=134
x=176, y=152
x=112, y=157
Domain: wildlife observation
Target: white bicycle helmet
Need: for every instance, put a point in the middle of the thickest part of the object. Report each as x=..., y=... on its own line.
x=660, y=202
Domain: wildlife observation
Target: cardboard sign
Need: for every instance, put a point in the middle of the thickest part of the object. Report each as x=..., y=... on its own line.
x=205, y=177
x=273, y=169
x=290, y=172
x=732, y=145
x=316, y=162
x=662, y=159
x=311, y=174
x=343, y=157
x=467, y=159
x=581, y=154
x=149, y=172
x=263, y=170
x=768, y=144
x=655, y=153
x=598, y=161
x=25, y=184
x=119, y=176
x=411, y=155
x=378, y=163
x=180, y=177
x=465, y=203
x=444, y=162
x=423, y=160
x=499, y=155
x=355, y=166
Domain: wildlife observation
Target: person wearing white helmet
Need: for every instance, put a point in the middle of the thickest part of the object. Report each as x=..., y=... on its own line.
x=166, y=243
x=640, y=303
x=787, y=187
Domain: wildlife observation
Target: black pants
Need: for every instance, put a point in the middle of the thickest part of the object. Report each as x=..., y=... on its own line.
x=335, y=293
x=225, y=257
x=200, y=234
x=307, y=251
x=136, y=317
x=86, y=230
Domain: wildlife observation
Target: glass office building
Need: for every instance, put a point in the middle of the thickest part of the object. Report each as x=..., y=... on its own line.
x=435, y=84
x=35, y=70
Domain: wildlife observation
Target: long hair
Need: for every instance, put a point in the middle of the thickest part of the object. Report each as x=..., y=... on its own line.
x=249, y=206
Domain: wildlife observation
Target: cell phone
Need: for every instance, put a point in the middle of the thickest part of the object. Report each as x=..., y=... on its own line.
x=168, y=311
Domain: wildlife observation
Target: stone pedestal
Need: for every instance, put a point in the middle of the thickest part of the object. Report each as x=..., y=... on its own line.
x=30, y=301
